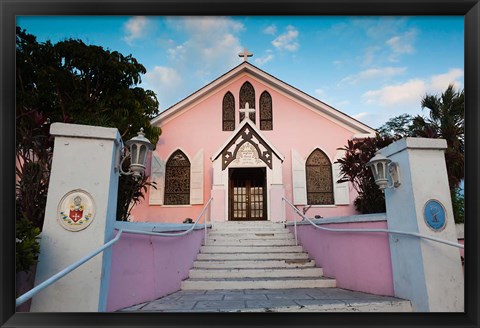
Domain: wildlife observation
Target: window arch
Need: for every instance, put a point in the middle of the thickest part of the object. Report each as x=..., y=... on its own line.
x=318, y=169
x=266, y=118
x=228, y=112
x=247, y=94
x=177, y=179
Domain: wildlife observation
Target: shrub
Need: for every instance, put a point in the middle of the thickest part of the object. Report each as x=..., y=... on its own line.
x=353, y=168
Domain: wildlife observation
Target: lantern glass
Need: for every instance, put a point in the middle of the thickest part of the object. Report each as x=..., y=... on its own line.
x=139, y=147
x=133, y=153
x=380, y=170
x=378, y=164
x=142, y=155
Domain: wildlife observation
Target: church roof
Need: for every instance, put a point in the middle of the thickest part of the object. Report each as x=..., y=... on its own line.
x=361, y=129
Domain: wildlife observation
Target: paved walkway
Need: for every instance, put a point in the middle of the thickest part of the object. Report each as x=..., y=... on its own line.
x=273, y=300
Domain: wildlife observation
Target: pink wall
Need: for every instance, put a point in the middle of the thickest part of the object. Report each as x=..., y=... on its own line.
x=145, y=268
x=358, y=261
x=294, y=126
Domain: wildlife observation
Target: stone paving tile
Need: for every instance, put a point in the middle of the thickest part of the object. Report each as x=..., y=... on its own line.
x=272, y=300
x=320, y=302
x=135, y=307
x=171, y=297
x=294, y=296
x=331, y=295
x=170, y=305
x=244, y=297
x=271, y=304
x=201, y=297
x=191, y=292
x=269, y=291
x=226, y=291
x=220, y=305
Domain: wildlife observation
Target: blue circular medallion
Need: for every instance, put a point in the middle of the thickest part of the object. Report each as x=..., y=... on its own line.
x=434, y=214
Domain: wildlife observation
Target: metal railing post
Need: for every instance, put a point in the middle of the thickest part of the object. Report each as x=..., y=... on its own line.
x=295, y=228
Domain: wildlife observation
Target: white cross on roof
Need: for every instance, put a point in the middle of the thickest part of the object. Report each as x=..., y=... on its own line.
x=245, y=54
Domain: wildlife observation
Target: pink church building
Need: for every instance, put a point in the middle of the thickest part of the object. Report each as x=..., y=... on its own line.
x=247, y=140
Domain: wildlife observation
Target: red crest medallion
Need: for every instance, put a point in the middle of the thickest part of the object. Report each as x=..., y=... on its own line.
x=76, y=215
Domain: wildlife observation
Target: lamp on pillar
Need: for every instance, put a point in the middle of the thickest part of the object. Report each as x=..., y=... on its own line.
x=138, y=148
x=382, y=168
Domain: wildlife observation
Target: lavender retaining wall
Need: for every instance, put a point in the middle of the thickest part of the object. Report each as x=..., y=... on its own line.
x=145, y=268
x=358, y=261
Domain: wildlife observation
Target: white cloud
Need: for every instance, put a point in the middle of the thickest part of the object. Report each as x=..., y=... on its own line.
x=411, y=92
x=272, y=29
x=369, y=55
x=206, y=47
x=439, y=83
x=320, y=92
x=373, y=73
x=361, y=115
x=342, y=103
x=287, y=40
x=265, y=59
x=402, y=44
x=209, y=40
x=164, y=81
x=135, y=28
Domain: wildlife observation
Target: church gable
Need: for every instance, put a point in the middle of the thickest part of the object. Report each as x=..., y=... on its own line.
x=247, y=147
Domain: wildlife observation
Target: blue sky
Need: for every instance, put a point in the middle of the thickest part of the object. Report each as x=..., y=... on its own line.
x=372, y=68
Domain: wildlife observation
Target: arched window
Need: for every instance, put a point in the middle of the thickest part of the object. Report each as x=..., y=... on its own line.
x=247, y=94
x=177, y=179
x=318, y=170
x=228, y=112
x=266, y=118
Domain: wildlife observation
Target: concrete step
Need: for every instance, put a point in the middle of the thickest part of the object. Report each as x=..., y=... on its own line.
x=250, y=249
x=250, y=235
x=249, y=264
x=255, y=273
x=250, y=228
x=252, y=256
x=257, y=283
x=249, y=242
x=247, y=224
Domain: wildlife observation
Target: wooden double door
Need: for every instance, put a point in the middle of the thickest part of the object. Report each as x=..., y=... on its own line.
x=247, y=194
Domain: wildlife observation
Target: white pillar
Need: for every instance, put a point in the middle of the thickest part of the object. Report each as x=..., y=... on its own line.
x=427, y=273
x=84, y=165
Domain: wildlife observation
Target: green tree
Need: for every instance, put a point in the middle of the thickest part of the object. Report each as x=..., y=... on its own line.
x=446, y=120
x=398, y=126
x=72, y=82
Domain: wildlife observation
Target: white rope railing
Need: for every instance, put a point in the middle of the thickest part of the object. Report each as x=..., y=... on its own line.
x=25, y=297
x=405, y=233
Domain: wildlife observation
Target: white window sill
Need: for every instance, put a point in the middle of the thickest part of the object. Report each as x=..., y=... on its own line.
x=321, y=206
x=176, y=206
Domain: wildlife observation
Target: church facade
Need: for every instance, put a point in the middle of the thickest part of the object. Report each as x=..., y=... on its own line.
x=247, y=140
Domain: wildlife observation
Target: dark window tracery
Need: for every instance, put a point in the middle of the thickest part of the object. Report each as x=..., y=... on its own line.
x=177, y=179
x=247, y=94
x=266, y=117
x=228, y=112
x=319, y=179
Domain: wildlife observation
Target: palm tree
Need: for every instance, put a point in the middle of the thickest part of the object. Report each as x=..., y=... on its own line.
x=446, y=120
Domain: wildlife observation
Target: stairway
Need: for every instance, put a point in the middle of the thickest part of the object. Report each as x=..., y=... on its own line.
x=253, y=255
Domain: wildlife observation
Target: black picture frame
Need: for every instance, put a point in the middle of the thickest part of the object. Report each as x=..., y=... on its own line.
x=470, y=9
